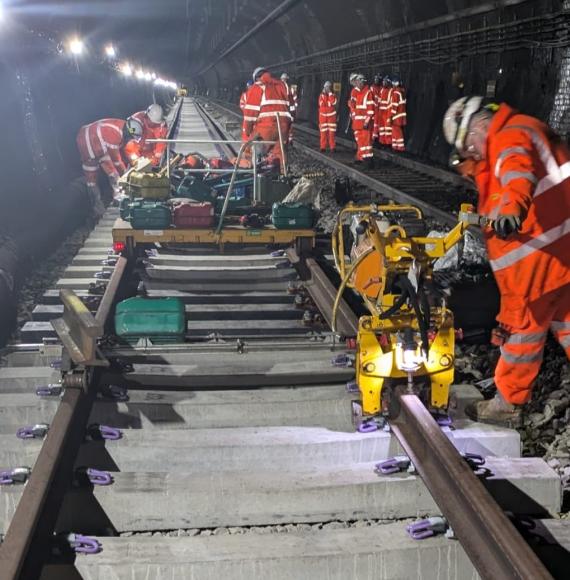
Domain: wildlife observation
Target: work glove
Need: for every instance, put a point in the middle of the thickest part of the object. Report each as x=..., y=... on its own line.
x=506, y=225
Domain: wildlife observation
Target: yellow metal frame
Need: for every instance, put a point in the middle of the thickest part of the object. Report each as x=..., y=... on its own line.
x=123, y=232
x=378, y=353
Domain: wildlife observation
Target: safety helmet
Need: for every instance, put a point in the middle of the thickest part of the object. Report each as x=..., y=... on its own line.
x=258, y=72
x=377, y=79
x=133, y=129
x=249, y=83
x=327, y=85
x=155, y=113
x=395, y=80
x=387, y=80
x=457, y=118
x=352, y=77
x=284, y=77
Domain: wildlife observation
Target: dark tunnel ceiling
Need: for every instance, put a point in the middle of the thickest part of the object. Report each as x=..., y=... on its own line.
x=182, y=37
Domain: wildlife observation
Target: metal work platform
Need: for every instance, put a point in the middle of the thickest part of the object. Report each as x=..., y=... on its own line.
x=123, y=232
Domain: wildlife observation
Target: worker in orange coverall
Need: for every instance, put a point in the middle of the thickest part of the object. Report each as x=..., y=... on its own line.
x=267, y=114
x=327, y=117
x=522, y=171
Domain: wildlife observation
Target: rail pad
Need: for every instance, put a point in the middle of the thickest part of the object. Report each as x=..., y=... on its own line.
x=123, y=232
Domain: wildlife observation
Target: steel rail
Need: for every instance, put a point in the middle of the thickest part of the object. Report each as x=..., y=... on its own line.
x=494, y=546
x=28, y=539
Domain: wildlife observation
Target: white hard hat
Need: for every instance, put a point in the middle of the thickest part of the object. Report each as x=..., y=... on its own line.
x=327, y=85
x=134, y=128
x=155, y=113
x=457, y=119
x=353, y=77
x=258, y=72
x=284, y=76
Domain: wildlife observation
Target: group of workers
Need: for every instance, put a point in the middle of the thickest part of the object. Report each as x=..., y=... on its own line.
x=115, y=144
x=377, y=113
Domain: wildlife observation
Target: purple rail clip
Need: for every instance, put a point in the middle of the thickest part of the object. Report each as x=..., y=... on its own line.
x=116, y=393
x=427, y=528
x=84, y=544
x=97, y=477
x=277, y=253
x=343, y=361
x=108, y=433
x=352, y=387
x=49, y=391
x=56, y=363
x=394, y=464
x=368, y=426
x=16, y=475
x=444, y=420
x=32, y=431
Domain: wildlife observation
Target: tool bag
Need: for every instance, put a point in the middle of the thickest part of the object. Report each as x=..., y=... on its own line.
x=150, y=215
x=162, y=320
x=148, y=185
x=190, y=214
x=291, y=216
x=195, y=188
x=272, y=189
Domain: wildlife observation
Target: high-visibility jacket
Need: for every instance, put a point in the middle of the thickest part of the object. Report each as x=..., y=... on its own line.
x=526, y=172
x=153, y=151
x=100, y=142
x=362, y=108
x=398, y=114
x=327, y=111
x=266, y=99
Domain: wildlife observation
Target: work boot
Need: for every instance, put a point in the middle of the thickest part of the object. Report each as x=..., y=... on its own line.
x=495, y=411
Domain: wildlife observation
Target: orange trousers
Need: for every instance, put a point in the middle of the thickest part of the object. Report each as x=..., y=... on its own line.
x=328, y=137
x=521, y=355
x=398, y=143
x=363, y=138
x=268, y=131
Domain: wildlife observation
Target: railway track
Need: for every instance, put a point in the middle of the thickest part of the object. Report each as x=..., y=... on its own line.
x=233, y=453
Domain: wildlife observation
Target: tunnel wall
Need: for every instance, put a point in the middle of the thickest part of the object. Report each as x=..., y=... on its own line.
x=509, y=53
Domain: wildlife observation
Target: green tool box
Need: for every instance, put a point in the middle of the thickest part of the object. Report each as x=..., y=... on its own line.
x=271, y=189
x=148, y=185
x=292, y=216
x=146, y=214
x=161, y=320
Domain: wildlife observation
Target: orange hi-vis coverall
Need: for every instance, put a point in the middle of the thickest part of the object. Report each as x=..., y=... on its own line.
x=362, y=110
x=398, y=118
x=99, y=145
x=327, y=120
x=527, y=173
x=268, y=103
x=140, y=148
x=384, y=114
x=376, y=91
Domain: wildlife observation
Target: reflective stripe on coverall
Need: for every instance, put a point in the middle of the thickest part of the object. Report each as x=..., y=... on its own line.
x=384, y=126
x=327, y=120
x=527, y=172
